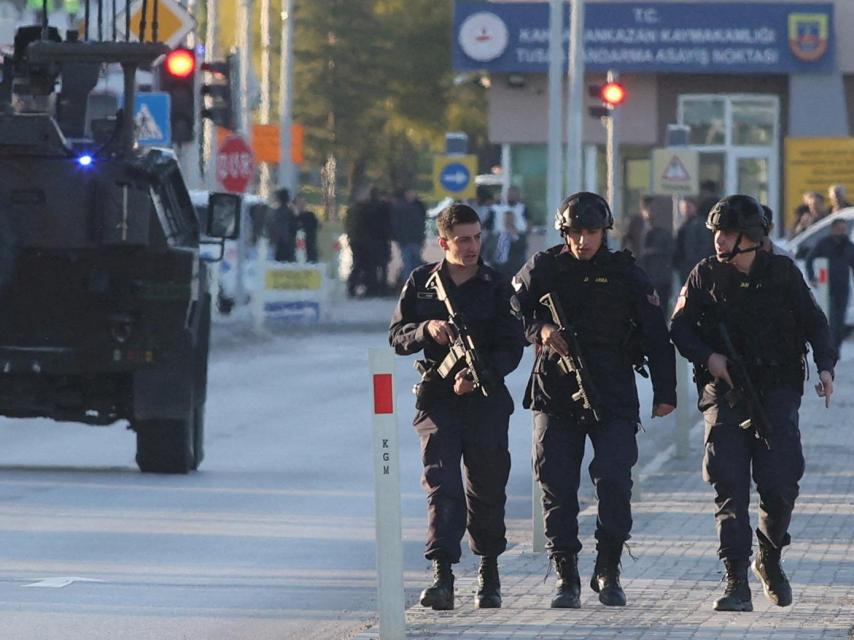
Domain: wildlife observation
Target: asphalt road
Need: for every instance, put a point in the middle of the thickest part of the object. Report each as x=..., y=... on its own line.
x=272, y=538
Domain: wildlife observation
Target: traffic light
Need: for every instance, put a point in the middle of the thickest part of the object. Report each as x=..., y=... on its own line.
x=612, y=95
x=218, y=88
x=177, y=77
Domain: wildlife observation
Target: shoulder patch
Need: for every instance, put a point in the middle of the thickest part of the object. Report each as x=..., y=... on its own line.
x=653, y=298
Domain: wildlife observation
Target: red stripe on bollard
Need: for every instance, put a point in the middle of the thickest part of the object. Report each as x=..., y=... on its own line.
x=822, y=276
x=383, y=401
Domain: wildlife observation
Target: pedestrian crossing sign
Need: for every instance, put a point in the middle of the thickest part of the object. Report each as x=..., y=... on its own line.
x=675, y=171
x=151, y=119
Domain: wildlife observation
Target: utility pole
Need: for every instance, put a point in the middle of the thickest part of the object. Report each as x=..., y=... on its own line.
x=286, y=168
x=575, y=99
x=245, y=30
x=554, y=180
x=266, y=80
x=615, y=188
x=211, y=52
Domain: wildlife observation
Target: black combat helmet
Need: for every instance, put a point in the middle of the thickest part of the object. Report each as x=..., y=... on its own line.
x=584, y=210
x=738, y=213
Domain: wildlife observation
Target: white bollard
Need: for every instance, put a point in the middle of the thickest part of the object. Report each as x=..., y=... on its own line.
x=684, y=410
x=390, y=595
x=822, y=288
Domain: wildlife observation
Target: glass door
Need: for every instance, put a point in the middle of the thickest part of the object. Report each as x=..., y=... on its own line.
x=738, y=140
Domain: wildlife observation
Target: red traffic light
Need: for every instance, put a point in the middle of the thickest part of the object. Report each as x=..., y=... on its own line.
x=612, y=94
x=180, y=63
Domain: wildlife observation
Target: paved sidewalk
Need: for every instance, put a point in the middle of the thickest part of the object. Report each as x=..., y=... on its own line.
x=677, y=575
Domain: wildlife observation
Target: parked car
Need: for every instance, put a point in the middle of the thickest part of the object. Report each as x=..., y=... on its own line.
x=224, y=281
x=804, y=242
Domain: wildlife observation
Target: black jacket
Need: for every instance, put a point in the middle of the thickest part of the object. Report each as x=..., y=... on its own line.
x=769, y=313
x=611, y=303
x=484, y=303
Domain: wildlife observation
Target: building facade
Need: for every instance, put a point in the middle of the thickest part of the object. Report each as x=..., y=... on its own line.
x=760, y=86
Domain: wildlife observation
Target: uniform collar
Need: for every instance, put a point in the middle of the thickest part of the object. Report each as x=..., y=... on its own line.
x=482, y=272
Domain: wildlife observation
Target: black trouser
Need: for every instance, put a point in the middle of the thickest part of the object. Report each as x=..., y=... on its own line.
x=472, y=429
x=836, y=318
x=558, y=451
x=731, y=452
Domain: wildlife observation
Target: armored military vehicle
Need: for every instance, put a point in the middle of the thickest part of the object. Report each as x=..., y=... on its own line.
x=104, y=305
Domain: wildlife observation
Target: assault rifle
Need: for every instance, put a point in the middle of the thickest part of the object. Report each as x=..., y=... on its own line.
x=463, y=348
x=573, y=364
x=744, y=389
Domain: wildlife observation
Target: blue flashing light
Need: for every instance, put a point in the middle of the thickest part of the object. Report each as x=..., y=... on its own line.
x=85, y=160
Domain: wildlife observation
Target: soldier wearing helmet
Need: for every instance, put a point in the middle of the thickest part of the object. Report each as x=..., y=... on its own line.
x=613, y=319
x=758, y=300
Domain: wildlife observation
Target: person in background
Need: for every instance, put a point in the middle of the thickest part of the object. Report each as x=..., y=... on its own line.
x=283, y=227
x=637, y=228
x=693, y=240
x=307, y=222
x=839, y=251
x=836, y=198
x=656, y=257
x=408, y=216
x=502, y=258
x=708, y=198
x=520, y=221
x=362, y=280
x=814, y=212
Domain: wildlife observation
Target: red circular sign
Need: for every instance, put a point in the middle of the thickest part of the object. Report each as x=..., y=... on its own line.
x=235, y=164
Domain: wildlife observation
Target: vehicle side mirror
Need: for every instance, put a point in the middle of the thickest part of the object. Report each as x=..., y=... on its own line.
x=223, y=216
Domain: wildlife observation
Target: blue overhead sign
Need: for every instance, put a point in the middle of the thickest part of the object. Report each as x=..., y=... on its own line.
x=719, y=37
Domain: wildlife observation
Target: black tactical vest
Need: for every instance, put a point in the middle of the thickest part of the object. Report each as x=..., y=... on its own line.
x=597, y=298
x=761, y=317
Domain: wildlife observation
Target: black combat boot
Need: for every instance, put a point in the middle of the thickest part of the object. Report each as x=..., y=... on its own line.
x=606, y=576
x=767, y=568
x=736, y=595
x=440, y=594
x=568, y=588
x=488, y=584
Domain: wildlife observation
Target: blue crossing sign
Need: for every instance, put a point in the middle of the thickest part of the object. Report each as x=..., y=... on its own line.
x=151, y=117
x=453, y=175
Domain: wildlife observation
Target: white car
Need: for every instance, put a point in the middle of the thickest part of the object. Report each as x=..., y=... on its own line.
x=226, y=275
x=804, y=242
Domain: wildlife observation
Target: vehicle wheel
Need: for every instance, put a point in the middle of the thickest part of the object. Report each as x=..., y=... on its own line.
x=165, y=446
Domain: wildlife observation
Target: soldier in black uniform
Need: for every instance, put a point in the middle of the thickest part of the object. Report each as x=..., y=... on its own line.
x=760, y=300
x=454, y=420
x=616, y=315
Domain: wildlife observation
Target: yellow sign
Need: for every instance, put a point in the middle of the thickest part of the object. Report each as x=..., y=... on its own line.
x=813, y=164
x=453, y=176
x=174, y=22
x=294, y=279
x=675, y=171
